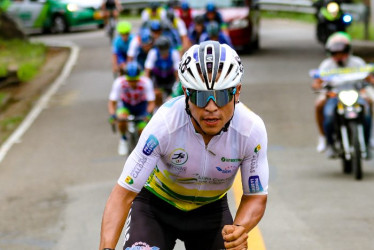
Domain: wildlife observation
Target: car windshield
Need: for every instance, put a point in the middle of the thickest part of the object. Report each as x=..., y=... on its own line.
x=197, y=4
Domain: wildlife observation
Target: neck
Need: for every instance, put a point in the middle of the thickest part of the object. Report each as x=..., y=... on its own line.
x=199, y=130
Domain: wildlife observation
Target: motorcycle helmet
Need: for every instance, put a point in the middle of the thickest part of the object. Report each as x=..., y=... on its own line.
x=338, y=42
x=133, y=71
x=163, y=44
x=123, y=27
x=210, y=66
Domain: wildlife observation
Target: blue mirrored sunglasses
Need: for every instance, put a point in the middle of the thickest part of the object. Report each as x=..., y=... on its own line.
x=220, y=97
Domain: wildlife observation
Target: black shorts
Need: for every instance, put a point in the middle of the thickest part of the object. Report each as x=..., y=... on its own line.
x=156, y=224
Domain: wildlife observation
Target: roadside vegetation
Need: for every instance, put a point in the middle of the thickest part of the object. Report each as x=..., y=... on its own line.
x=356, y=29
x=20, y=61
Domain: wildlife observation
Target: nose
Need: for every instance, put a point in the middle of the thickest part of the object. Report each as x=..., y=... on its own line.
x=211, y=106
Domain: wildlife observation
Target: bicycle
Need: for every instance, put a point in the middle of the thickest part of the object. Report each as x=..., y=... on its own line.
x=132, y=132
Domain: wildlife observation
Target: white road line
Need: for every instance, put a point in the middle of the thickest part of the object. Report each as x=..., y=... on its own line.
x=43, y=101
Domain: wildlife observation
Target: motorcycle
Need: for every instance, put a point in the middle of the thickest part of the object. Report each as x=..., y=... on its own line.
x=348, y=134
x=330, y=19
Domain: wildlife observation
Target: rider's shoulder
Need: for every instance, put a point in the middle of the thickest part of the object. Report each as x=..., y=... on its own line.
x=246, y=121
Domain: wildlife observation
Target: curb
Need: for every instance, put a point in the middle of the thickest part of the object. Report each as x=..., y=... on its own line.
x=42, y=103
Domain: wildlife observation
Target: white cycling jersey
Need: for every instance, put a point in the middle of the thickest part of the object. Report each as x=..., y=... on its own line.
x=172, y=161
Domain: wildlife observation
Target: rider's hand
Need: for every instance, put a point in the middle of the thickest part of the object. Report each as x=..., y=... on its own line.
x=112, y=118
x=235, y=237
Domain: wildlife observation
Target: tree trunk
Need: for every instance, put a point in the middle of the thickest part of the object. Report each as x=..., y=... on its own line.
x=9, y=28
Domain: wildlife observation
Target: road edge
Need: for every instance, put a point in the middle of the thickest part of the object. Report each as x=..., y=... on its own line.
x=42, y=103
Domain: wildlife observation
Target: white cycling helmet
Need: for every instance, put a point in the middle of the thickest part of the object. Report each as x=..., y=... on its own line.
x=210, y=66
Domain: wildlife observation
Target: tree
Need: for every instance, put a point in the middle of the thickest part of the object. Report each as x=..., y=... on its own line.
x=8, y=27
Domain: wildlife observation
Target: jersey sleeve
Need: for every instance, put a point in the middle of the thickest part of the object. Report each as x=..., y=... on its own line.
x=151, y=58
x=182, y=30
x=115, y=93
x=176, y=59
x=134, y=44
x=143, y=159
x=150, y=93
x=255, y=169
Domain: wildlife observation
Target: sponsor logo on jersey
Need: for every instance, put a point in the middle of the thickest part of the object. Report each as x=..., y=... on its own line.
x=129, y=180
x=150, y=145
x=226, y=170
x=224, y=159
x=141, y=246
x=258, y=148
x=178, y=156
x=255, y=184
x=138, y=167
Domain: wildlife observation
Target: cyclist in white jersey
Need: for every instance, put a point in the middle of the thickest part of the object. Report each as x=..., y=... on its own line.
x=174, y=183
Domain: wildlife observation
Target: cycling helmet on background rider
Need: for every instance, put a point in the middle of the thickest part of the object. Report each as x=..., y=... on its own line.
x=185, y=5
x=210, y=66
x=154, y=5
x=211, y=7
x=132, y=71
x=145, y=36
x=212, y=28
x=163, y=44
x=338, y=42
x=123, y=27
x=155, y=25
x=199, y=19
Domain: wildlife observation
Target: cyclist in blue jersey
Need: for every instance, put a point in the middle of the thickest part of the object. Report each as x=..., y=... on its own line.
x=121, y=45
x=140, y=46
x=213, y=32
x=174, y=183
x=162, y=67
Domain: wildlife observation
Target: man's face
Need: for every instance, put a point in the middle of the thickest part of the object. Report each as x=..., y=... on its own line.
x=213, y=118
x=340, y=58
x=210, y=15
x=125, y=37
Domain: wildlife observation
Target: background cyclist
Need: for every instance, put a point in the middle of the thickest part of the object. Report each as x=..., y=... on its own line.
x=162, y=67
x=140, y=46
x=174, y=183
x=120, y=46
x=131, y=94
x=110, y=7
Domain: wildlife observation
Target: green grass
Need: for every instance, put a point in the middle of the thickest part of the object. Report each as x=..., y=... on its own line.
x=356, y=29
x=25, y=56
x=310, y=18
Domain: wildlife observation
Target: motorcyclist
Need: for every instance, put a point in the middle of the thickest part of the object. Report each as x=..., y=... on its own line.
x=140, y=46
x=120, y=46
x=161, y=66
x=339, y=48
x=131, y=94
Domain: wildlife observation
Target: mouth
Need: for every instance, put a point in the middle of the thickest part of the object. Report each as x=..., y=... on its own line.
x=211, y=121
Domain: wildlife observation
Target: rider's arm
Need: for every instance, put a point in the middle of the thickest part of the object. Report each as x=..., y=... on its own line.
x=317, y=83
x=176, y=59
x=150, y=62
x=250, y=212
x=255, y=177
x=114, y=217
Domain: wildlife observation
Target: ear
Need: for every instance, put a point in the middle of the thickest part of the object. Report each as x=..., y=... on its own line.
x=238, y=89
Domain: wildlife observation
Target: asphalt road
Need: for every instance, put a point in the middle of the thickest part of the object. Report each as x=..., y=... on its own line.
x=55, y=181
